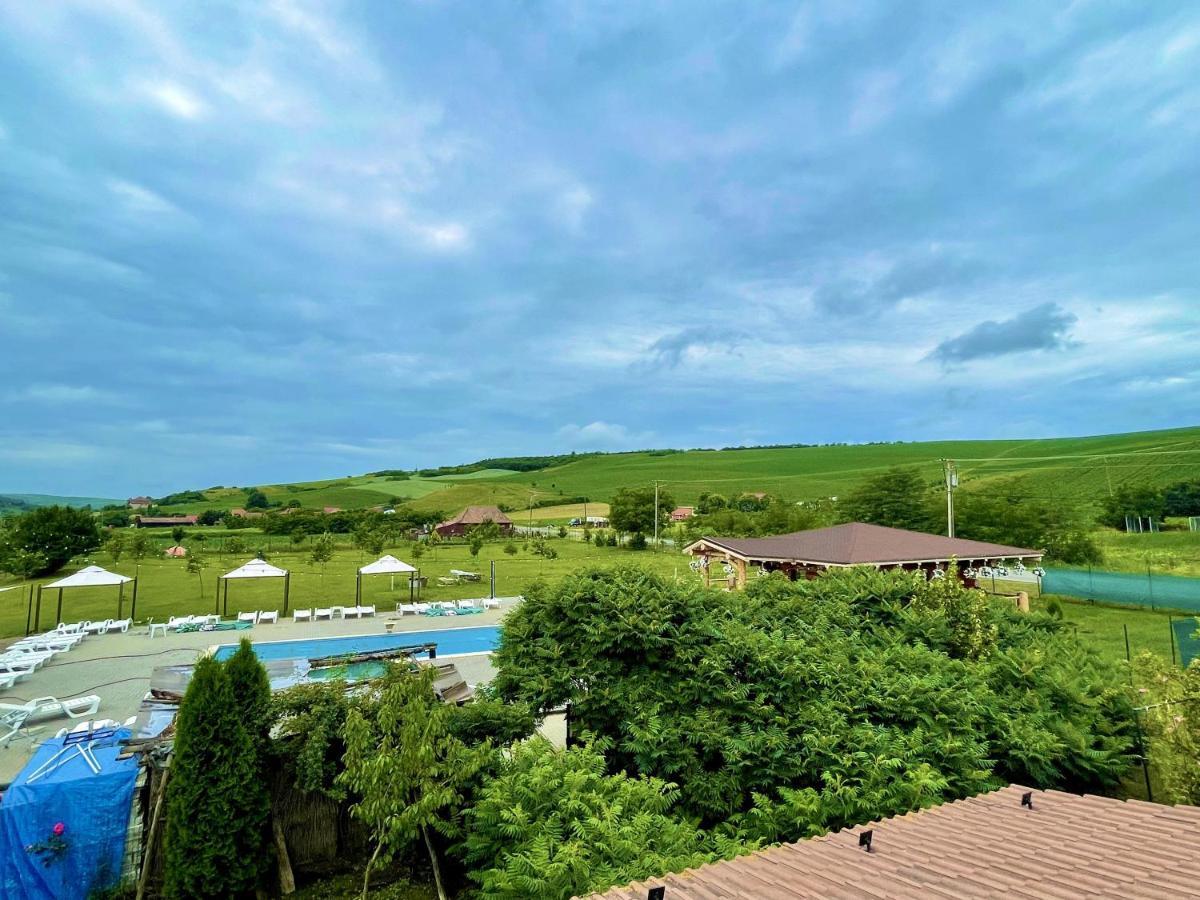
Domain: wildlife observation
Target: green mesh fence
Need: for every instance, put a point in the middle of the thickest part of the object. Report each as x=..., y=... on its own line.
x=1154, y=591
x=1186, y=639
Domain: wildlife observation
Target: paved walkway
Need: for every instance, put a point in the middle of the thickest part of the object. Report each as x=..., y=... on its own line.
x=117, y=667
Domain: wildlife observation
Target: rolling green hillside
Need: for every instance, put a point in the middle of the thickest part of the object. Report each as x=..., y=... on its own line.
x=1079, y=471
x=20, y=502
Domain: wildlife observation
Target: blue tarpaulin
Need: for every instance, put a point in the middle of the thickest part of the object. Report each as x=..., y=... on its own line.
x=94, y=810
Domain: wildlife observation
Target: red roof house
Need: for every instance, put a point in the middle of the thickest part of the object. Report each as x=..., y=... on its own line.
x=680, y=513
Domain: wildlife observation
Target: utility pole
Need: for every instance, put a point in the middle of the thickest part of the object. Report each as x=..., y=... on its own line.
x=951, y=476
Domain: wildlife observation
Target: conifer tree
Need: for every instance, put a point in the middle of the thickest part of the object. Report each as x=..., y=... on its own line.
x=212, y=763
x=251, y=691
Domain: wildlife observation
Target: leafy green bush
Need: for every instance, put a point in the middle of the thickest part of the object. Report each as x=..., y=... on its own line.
x=791, y=708
x=551, y=824
x=44, y=540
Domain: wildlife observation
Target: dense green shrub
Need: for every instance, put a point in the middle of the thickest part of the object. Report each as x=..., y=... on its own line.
x=791, y=708
x=552, y=824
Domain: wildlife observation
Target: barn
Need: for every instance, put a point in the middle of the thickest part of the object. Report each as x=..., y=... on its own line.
x=805, y=554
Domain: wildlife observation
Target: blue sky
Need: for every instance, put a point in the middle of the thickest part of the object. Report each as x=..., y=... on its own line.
x=263, y=242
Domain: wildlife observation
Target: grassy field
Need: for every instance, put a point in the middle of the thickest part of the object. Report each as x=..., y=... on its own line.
x=165, y=587
x=1075, y=471
x=560, y=514
x=1167, y=553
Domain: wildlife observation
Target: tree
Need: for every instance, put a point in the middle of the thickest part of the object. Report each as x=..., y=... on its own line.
x=211, y=517
x=251, y=691
x=369, y=539
x=211, y=767
x=322, y=553
x=139, y=545
x=1132, y=500
x=475, y=544
x=741, y=698
x=196, y=564
x=1038, y=524
x=897, y=498
x=551, y=824
x=632, y=510
x=510, y=549
x=407, y=769
x=43, y=540
x=417, y=551
x=235, y=545
x=177, y=534
x=256, y=499
x=115, y=545
x=1182, y=499
x=1171, y=719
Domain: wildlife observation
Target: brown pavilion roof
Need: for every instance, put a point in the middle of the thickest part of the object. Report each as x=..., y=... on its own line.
x=857, y=543
x=1065, y=846
x=477, y=515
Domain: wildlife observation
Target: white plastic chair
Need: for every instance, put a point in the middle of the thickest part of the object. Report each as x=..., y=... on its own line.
x=160, y=627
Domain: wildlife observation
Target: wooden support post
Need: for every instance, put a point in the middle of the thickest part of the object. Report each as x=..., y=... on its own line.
x=156, y=822
x=287, y=882
x=133, y=599
x=59, y=613
x=29, y=611
x=120, y=600
x=740, y=565
x=287, y=584
x=358, y=589
x=226, y=610
x=37, y=613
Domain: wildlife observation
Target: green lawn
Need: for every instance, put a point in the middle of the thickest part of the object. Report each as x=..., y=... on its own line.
x=165, y=588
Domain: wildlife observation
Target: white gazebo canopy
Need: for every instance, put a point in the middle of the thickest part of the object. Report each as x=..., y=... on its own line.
x=256, y=568
x=91, y=576
x=386, y=565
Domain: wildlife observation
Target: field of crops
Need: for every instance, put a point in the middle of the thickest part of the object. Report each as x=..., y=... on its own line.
x=1075, y=471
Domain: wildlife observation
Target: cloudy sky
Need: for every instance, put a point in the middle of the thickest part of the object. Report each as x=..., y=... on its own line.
x=264, y=242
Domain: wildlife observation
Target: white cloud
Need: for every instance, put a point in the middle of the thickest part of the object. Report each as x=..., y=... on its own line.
x=602, y=435
x=62, y=394
x=139, y=199
x=46, y=451
x=175, y=100
x=571, y=206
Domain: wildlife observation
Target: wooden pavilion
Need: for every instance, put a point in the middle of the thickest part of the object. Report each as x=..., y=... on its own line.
x=805, y=554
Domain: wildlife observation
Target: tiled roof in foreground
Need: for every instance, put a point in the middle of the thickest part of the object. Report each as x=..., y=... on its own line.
x=1065, y=846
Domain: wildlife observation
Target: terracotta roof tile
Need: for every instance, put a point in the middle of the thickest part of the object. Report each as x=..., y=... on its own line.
x=1068, y=846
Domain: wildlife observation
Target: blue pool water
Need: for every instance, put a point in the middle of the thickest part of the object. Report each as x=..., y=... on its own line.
x=450, y=641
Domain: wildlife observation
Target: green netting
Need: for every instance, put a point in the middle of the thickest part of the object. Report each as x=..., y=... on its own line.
x=1187, y=638
x=1155, y=591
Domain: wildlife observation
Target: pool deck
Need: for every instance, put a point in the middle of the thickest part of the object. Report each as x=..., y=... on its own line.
x=117, y=667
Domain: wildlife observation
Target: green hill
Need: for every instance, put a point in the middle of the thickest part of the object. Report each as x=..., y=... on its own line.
x=1079, y=471
x=21, y=502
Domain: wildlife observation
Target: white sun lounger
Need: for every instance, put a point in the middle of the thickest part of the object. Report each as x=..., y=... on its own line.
x=17, y=668
x=8, y=679
x=121, y=625
x=97, y=627
x=301, y=615
x=16, y=659
x=366, y=611
x=466, y=604
x=175, y=621
x=73, y=628
x=322, y=614
x=48, y=707
x=251, y=617
x=491, y=603
x=349, y=612
x=404, y=608
x=422, y=608
x=268, y=616
x=11, y=722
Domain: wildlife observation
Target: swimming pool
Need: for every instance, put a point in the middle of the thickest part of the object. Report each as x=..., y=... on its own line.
x=450, y=642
